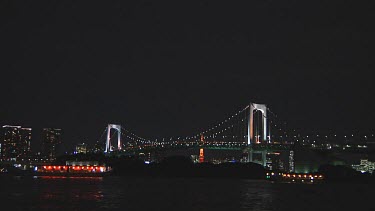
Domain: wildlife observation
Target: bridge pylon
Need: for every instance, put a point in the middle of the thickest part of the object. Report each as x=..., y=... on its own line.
x=263, y=160
x=108, y=145
x=251, y=136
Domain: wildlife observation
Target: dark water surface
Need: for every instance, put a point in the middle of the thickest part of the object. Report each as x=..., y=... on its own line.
x=120, y=193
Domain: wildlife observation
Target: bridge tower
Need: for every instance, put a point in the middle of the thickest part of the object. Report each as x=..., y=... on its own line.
x=251, y=136
x=108, y=146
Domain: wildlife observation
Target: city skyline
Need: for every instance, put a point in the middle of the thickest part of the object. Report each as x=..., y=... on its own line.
x=36, y=139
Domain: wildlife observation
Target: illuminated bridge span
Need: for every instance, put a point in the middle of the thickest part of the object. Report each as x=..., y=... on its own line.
x=249, y=130
x=211, y=146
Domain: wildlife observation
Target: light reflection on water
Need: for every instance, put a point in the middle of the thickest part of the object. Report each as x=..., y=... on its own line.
x=120, y=193
x=256, y=197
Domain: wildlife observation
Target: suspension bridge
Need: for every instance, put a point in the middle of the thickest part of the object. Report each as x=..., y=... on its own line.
x=252, y=130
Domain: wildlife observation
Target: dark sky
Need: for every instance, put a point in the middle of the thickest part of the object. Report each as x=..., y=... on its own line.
x=170, y=68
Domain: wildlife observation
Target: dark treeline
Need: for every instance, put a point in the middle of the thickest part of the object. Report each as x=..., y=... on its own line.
x=341, y=173
x=179, y=166
x=172, y=166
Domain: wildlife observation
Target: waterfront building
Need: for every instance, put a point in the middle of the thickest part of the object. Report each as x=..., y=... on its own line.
x=365, y=166
x=291, y=161
x=15, y=143
x=98, y=147
x=81, y=148
x=51, y=140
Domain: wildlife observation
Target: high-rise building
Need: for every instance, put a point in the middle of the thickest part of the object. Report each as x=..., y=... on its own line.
x=51, y=140
x=15, y=143
x=81, y=148
x=291, y=161
x=98, y=147
x=25, y=146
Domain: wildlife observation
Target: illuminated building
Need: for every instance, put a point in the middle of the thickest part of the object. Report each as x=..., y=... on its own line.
x=365, y=166
x=274, y=161
x=98, y=148
x=291, y=161
x=15, y=143
x=51, y=139
x=81, y=148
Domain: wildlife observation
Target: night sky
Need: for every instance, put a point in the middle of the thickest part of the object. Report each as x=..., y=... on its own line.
x=172, y=68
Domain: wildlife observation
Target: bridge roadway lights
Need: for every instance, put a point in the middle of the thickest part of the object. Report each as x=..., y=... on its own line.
x=108, y=147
